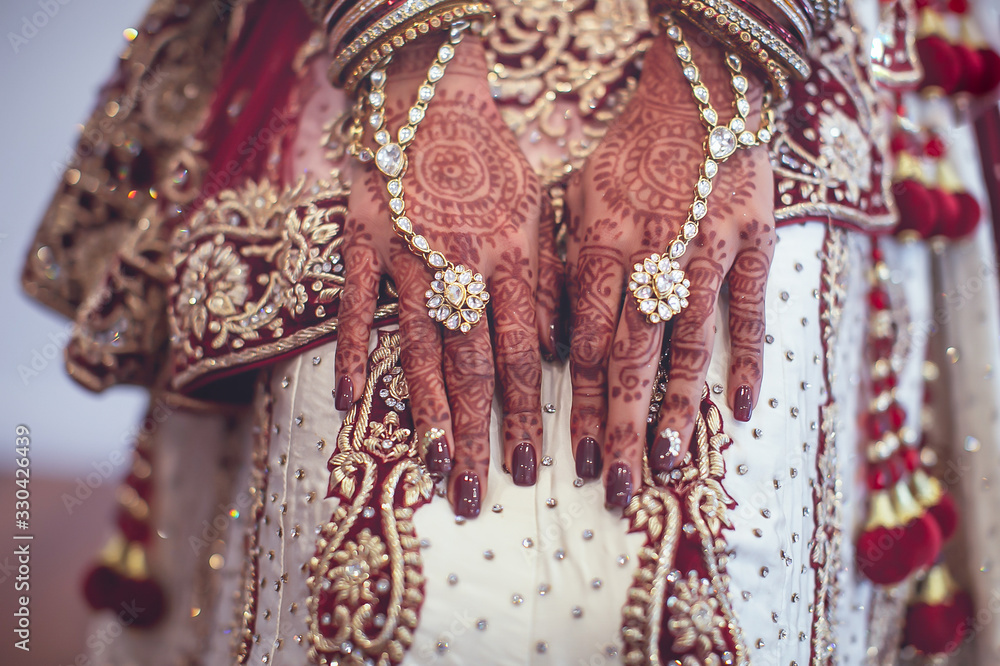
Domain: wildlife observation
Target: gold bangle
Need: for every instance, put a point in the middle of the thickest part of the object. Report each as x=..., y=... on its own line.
x=658, y=284
x=412, y=19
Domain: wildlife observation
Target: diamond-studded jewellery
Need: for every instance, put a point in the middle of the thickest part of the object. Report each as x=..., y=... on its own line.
x=458, y=296
x=658, y=284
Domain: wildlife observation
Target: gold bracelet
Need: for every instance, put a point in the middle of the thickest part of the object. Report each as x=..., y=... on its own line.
x=658, y=284
x=458, y=296
x=405, y=23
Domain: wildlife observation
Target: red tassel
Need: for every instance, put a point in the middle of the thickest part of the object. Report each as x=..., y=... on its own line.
x=945, y=514
x=969, y=213
x=947, y=210
x=941, y=67
x=939, y=621
x=917, y=207
x=970, y=67
x=991, y=72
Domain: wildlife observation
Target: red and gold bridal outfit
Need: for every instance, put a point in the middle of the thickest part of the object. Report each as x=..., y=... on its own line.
x=197, y=245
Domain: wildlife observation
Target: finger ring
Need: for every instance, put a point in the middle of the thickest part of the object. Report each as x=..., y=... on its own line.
x=458, y=296
x=658, y=284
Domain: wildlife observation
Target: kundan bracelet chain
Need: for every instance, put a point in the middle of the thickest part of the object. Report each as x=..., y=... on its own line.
x=658, y=284
x=458, y=296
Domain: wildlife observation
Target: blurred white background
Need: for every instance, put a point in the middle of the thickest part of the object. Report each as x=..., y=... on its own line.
x=49, y=84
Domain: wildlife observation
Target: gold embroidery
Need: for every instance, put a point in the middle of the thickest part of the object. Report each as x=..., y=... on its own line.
x=365, y=585
x=253, y=263
x=702, y=622
x=247, y=604
x=827, y=539
x=561, y=71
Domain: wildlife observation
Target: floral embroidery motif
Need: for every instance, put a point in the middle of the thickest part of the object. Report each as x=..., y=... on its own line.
x=674, y=617
x=365, y=582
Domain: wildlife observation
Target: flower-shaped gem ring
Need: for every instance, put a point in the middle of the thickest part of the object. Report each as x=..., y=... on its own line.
x=457, y=298
x=660, y=288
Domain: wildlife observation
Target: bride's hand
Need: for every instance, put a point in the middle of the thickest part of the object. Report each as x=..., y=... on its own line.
x=628, y=203
x=472, y=194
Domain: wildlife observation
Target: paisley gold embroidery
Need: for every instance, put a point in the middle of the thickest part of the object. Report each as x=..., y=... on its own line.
x=689, y=511
x=365, y=585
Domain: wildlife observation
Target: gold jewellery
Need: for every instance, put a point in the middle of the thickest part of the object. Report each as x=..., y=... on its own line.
x=658, y=284
x=458, y=296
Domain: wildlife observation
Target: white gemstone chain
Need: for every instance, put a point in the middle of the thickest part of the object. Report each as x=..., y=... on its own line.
x=658, y=284
x=458, y=296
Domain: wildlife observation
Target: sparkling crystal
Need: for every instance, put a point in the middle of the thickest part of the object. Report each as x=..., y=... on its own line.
x=396, y=205
x=455, y=294
x=471, y=316
x=475, y=303
x=683, y=52
x=452, y=322
x=663, y=285
x=376, y=98
x=378, y=77
x=653, y=318
x=650, y=266
x=691, y=73
x=690, y=230
x=446, y=53
x=663, y=310
x=381, y=137
x=737, y=125
x=394, y=187
x=436, y=260
x=425, y=93
x=674, y=302
x=682, y=291
x=647, y=306
x=747, y=138
x=405, y=133
x=465, y=277
x=721, y=143
x=674, y=33
x=698, y=210
x=641, y=278
x=734, y=62
x=390, y=160
x=740, y=84
x=404, y=224
x=438, y=286
x=435, y=73
x=420, y=243
x=764, y=136
x=677, y=249
x=704, y=188
x=710, y=116
x=701, y=94
x=711, y=168
x=743, y=106
x=664, y=265
x=416, y=115
x=644, y=291
x=677, y=275
x=476, y=287
x=434, y=301
x=375, y=119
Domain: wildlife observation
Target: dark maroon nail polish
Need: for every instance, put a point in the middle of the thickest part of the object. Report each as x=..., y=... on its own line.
x=344, y=397
x=743, y=404
x=551, y=353
x=665, y=452
x=588, y=459
x=524, y=463
x=437, y=458
x=619, y=485
x=467, y=495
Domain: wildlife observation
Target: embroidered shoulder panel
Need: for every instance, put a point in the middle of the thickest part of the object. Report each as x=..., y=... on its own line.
x=259, y=272
x=365, y=581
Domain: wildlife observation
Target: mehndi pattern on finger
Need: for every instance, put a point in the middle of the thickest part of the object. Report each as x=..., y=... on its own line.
x=457, y=296
x=658, y=284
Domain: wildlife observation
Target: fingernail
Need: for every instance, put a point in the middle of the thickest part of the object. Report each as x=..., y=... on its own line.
x=588, y=459
x=437, y=458
x=467, y=495
x=666, y=451
x=619, y=492
x=743, y=405
x=523, y=461
x=344, y=397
